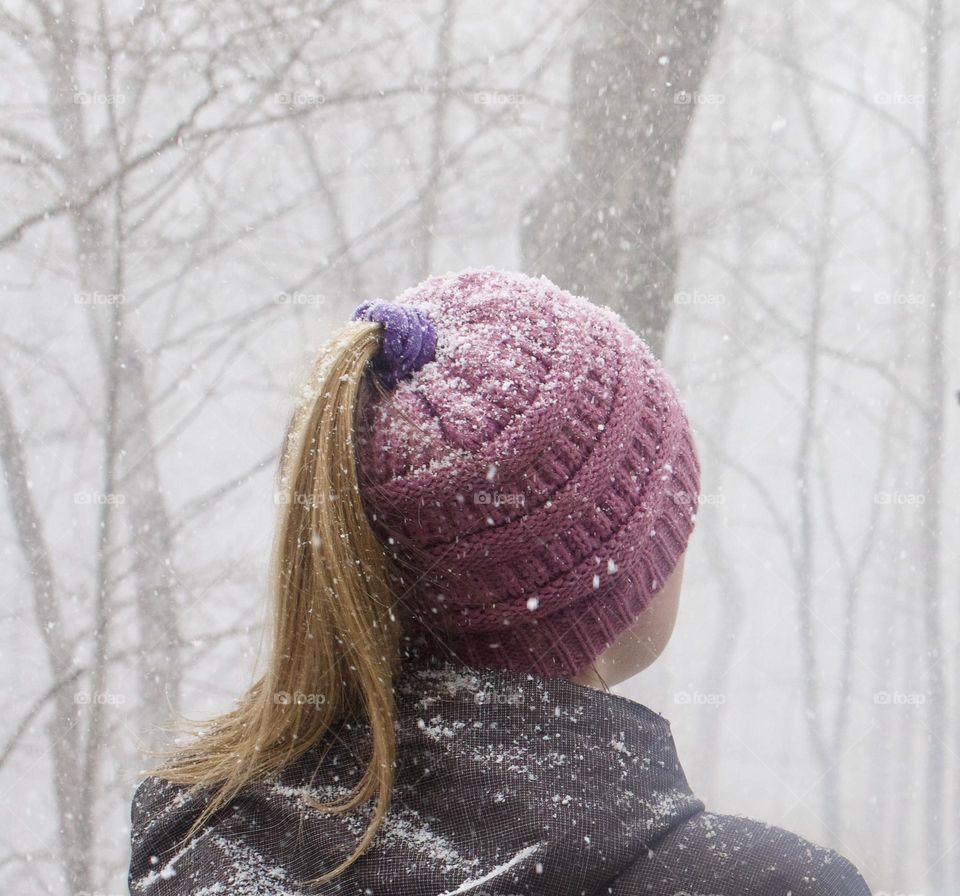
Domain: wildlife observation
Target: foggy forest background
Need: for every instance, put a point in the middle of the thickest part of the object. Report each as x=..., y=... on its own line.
x=195, y=195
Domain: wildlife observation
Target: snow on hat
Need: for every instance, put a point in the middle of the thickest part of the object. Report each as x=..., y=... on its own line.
x=537, y=466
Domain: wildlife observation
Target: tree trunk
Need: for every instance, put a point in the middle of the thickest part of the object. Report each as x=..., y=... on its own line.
x=430, y=206
x=603, y=225
x=29, y=529
x=932, y=452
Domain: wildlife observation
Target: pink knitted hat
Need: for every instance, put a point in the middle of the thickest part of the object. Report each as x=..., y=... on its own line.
x=537, y=469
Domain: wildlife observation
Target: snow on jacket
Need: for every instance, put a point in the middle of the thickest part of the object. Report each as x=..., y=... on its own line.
x=506, y=784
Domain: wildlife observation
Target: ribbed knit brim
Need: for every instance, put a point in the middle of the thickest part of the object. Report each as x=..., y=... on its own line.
x=539, y=475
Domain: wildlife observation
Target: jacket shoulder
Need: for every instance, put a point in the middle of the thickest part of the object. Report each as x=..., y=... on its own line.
x=161, y=814
x=711, y=853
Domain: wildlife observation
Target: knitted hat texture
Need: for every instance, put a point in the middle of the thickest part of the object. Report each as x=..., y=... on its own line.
x=539, y=473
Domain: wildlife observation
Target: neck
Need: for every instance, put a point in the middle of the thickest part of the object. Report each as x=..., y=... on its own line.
x=591, y=678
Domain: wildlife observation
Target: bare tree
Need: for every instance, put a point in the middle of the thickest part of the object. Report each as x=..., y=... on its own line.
x=932, y=456
x=438, y=135
x=30, y=532
x=603, y=225
x=202, y=189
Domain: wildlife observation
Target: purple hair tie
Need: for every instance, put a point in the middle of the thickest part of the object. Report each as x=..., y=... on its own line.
x=409, y=339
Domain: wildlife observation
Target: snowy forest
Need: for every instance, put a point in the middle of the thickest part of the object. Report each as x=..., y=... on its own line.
x=196, y=195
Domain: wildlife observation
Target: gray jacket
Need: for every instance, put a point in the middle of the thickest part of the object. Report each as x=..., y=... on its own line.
x=506, y=784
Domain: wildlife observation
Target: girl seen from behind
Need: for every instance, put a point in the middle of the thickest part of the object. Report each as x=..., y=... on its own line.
x=488, y=489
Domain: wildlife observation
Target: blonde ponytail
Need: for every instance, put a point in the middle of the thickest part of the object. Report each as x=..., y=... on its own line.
x=335, y=629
